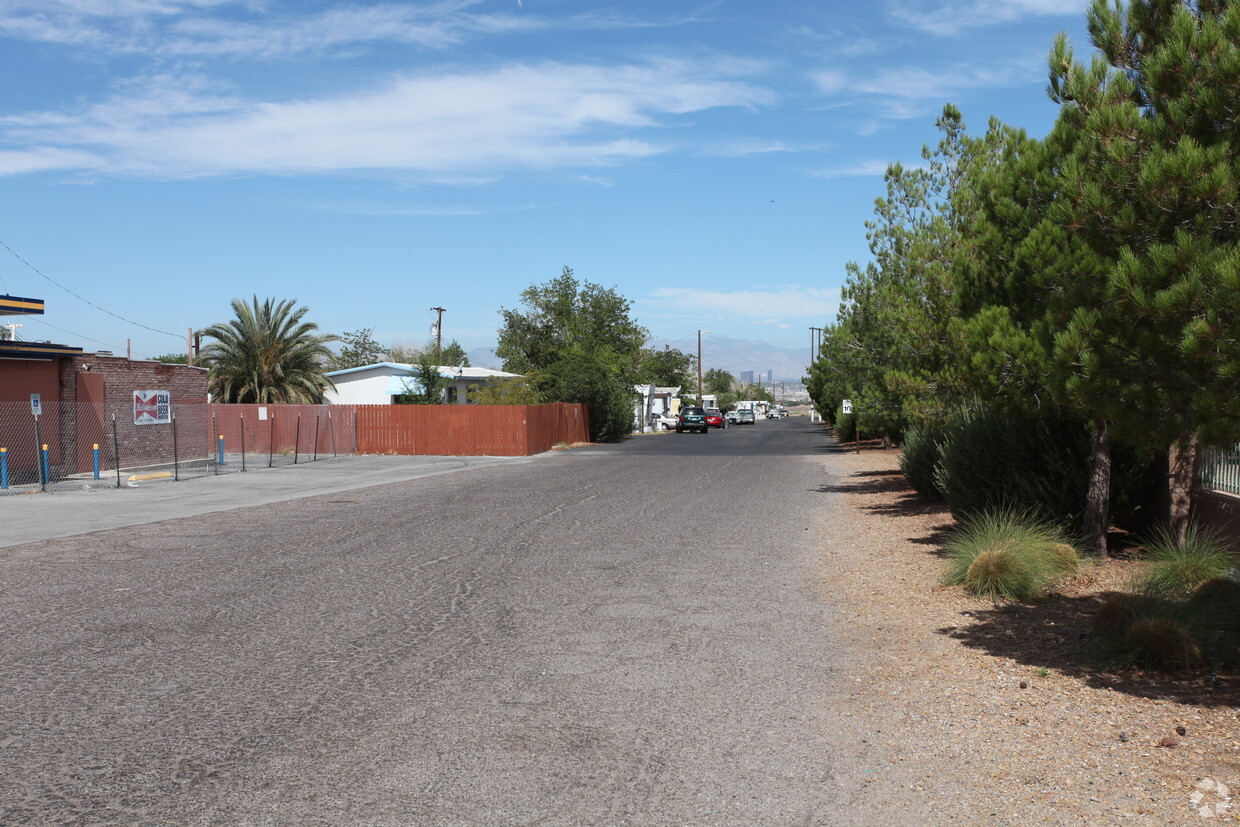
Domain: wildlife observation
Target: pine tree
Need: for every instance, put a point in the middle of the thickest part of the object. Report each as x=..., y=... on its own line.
x=1152, y=186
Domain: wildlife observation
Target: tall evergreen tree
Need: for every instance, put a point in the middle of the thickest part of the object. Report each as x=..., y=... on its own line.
x=1154, y=184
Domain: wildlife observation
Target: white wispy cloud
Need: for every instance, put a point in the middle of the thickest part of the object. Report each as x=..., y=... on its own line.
x=855, y=170
x=754, y=146
x=259, y=31
x=952, y=17
x=516, y=116
x=903, y=92
x=757, y=306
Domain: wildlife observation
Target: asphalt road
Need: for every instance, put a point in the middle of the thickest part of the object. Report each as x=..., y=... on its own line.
x=622, y=634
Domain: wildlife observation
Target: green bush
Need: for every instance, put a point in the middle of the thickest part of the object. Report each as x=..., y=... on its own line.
x=1007, y=555
x=921, y=453
x=991, y=458
x=845, y=427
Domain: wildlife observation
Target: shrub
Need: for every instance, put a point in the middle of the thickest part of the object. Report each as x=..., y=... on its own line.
x=1006, y=554
x=1215, y=607
x=990, y=458
x=1146, y=631
x=845, y=427
x=1062, y=557
x=1162, y=643
x=921, y=453
x=1177, y=568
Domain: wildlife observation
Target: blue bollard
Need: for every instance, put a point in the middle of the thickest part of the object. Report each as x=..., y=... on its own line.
x=4, y=467
x=47, y=474
x=96, y=460
x=219, y=458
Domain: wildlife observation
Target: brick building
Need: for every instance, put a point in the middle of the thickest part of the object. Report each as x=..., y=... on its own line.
x=79, y=394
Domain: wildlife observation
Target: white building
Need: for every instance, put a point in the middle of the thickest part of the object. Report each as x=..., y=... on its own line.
x=651, y=403
x=377, y=384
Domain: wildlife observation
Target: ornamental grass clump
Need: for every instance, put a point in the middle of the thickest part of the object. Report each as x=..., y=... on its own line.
x=1148, y=632
x=1178, y=567
x=1184, y=609
x=1007, y=555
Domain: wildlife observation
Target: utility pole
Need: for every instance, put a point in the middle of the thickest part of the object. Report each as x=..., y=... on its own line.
x=699, y=399
x=438, y=334
x=812, y=340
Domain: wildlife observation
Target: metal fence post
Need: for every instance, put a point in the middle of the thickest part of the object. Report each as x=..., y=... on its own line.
x=316, y=438
x=116, y=452
x=297, y=440
x=271, y=440
x=176, y=466
x=39, y=456
x=242, y=440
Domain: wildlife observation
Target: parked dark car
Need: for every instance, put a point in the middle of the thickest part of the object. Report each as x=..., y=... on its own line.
x=714, y=418
x=692, y=419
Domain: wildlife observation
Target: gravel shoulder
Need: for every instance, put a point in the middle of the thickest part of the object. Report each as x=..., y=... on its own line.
x=966, y=712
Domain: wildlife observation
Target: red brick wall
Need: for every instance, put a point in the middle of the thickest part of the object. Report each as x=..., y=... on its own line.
x=139, y=444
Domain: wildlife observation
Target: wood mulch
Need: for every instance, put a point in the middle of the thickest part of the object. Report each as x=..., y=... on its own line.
x=983, y=713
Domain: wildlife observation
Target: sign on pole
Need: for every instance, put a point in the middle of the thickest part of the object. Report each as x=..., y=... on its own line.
x=847, y=406
x=152, y=407
x=36, y=404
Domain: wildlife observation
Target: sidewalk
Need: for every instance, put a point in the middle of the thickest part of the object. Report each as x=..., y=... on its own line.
x=33, y=517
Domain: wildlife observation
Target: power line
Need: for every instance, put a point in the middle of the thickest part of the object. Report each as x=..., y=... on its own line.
x=79, y=298
x=73, y=333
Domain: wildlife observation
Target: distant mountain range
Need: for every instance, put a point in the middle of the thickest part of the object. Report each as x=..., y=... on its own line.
x=733, y=355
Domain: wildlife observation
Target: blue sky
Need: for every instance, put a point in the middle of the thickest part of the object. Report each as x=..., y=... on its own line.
x=713, y=161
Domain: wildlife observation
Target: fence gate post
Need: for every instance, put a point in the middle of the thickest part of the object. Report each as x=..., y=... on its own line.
x=297, y=440
x=176, y=467
x=271, y=440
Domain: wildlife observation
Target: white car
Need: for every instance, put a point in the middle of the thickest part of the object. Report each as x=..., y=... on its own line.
x=663, y=422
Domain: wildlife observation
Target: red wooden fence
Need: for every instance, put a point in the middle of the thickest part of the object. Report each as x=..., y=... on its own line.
x=468, y=430
x=436, y=430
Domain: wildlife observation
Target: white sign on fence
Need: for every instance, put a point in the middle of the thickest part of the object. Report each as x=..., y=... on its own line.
x=152, y=407
x=262, y=413
x=36, y=404
x=847, y=406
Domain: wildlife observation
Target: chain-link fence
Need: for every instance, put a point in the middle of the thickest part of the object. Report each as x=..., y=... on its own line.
x=62, y=446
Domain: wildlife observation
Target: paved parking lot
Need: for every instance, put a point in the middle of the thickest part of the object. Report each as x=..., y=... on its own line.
x=33, y=517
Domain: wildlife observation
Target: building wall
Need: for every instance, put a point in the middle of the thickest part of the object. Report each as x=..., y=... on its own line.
x=362, y=388
x=137, y=444
x=21, y=377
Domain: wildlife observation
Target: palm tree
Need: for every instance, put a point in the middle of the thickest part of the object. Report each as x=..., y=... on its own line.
x=267, y=354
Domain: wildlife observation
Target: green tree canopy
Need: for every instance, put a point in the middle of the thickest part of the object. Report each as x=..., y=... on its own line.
x=426, y=385
x=267, y=354
x=667, y=368
x=577, y=343
x=718, y=381
x=359, y=348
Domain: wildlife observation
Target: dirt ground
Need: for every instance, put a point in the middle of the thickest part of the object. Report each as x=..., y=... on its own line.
x=996, y=714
